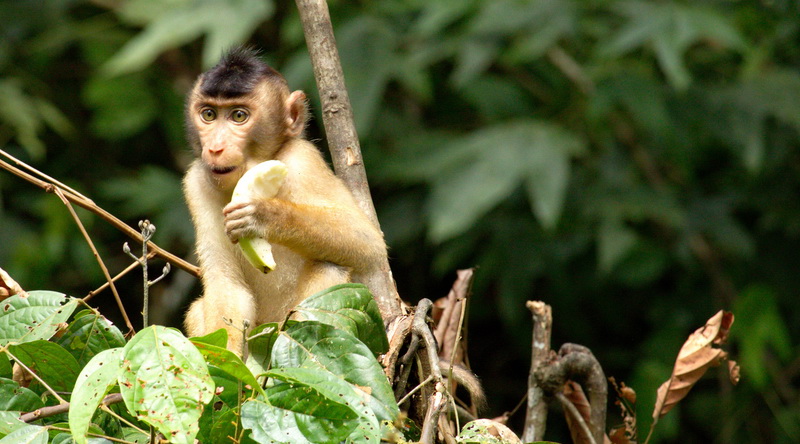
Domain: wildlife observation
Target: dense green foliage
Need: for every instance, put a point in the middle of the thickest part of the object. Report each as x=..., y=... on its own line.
x=306, y=382
x=632, y=163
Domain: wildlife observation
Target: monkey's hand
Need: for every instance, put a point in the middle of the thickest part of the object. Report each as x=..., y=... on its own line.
x=246, y=219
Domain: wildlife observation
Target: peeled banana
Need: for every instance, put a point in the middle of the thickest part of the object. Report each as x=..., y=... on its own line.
x=260, y=182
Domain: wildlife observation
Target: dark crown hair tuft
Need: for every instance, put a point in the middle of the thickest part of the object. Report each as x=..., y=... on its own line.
x=239, y=71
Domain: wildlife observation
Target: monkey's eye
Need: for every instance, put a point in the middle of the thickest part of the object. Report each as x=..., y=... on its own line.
x=239, y=115
x=208, y=114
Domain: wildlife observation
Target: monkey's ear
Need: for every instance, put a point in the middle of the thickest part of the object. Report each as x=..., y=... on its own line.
x=296, y=113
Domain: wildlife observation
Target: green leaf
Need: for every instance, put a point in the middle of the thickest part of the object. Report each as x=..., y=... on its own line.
x=349, y=307
x=487, y=165
x=311, y=405
x=88, y=334
x=670, y=29
x=761, y=328
x=165, y=382
x=226, y=23
x=9, y=420
x=224, y=425
x=135, y=436
x=5, y=366
x=38, y=316
x=92, y=385
x=27, y=435
x=49, y=361
x=367, y=48
x=310, y=344
x=259, y=343
x=228, y=362
x=218, y=338
x=16, y=398
x=117, y=116
x=614, y=242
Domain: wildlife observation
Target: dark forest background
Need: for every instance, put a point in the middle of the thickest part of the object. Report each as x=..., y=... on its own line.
x=635, y=164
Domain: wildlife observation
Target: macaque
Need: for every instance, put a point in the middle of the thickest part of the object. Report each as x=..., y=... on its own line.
x=238, y=114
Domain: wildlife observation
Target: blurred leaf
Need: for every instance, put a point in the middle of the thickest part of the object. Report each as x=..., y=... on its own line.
x=741, y=112
x=154, y=193
x=496, y=97
x=28, y=115
x=473, y=59
x=762, y=330
x=483, y=168
x=670, y=29
x=225, y=23
x=367, y=49
x=123, y=105
x=614, y=242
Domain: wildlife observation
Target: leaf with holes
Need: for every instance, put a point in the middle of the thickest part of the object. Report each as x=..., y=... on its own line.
x=88, y=334
x=165, y=382
x=50, y=362
x=16, y=398
x=38, y=316
x=93, y=383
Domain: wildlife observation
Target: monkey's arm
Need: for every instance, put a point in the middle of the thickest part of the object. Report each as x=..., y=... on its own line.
x=226, y=294
x=314, y=214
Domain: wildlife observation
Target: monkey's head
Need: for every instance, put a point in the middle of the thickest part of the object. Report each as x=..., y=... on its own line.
x=240, y=113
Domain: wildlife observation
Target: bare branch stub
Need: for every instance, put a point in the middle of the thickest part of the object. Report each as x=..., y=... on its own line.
x=536, y=416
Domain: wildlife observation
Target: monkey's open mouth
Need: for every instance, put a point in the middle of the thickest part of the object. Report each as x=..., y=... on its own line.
x=222, y=170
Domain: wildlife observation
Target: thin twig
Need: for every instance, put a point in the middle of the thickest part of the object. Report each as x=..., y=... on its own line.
x=119, y=275
x=93, y=435
x=576, y=416
x=35, y=376
x=86, y=203
x=100, y=262
x=415, y=390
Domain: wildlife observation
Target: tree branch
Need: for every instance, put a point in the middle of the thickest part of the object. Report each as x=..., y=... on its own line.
x=536, y=417
x=86, y=203
x=337, y=117
x=53, y=410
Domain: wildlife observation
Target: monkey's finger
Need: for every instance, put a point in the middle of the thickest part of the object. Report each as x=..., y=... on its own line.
x=234, y=206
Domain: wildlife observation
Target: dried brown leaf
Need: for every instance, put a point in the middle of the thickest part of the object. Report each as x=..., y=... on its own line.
x=734, y=372
x=695, y=357
x=626, y=401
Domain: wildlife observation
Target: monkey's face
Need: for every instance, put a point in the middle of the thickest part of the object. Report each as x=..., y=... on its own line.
x=233, y=134
x=223, y=131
